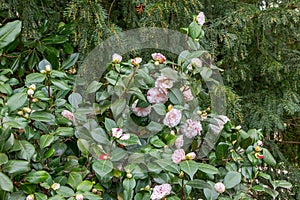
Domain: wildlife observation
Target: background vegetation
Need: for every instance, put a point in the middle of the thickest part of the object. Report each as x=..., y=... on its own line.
x=255, y=42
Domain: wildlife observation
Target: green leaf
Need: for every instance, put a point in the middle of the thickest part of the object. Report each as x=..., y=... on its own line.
x=190, y=167
x=3, y=158
x=60, y=84
x=129, y=184
x=64, y=131
x=100, y=136
x=15, y=167
x=70, y=61
x=74, y=179
x=40, y=196
x=102, y=167
x=65, y=191
x=209, y=169
x=59, y=74
x=134, y=139
x=42, y=116
x=268, y=158
x=232, y=179
x=109, y=124
x=155, y=141
x=160, y=109
x=198, y=184
x=5, y=183
x=17, y=101
x=206, y=73
x=6, y=89
x=93, y=87
x=35, y=78
x=75, y=99
x=246, y=143
x=221, y=150
x=282, y=183
x=37, y=177
x=118, y=154
x=83, y=146
x=85, y=186
x=118, y=107
x=176, y=96
x=168, y=165
x=55, y=39
x=9, y=32
x=194, y=30
x=46, y=140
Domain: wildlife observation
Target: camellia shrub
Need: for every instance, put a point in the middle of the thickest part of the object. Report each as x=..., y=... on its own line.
x=152, y=133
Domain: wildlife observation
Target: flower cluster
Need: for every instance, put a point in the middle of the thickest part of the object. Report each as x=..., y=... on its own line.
x=258, y=150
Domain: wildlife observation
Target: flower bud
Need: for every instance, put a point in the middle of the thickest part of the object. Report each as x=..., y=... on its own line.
x=239, y=127
x=190, y=156
x=43, y=71
x=220, y=187
x=170, y=107
x=156, y=63
x=32, y=86
x=257, y=148
x=20, y=112
x=147, y=187
x=48, y=68
x=30, y=91
x=129, y=175
x=27, y=109
x=30, y=197
x=55, y=186
x=181, y=175
x=34, y=100
x=79, y=197
x=94, y=190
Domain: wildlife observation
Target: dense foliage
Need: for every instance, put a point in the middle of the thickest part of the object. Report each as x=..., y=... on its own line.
x=255, y=43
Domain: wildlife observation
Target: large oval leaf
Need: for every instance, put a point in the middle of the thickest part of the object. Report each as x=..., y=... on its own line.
x=102, y=167
x=232, y=179
x=5, y=183
x=17, y=101
x=9, y=32
x=37, y=177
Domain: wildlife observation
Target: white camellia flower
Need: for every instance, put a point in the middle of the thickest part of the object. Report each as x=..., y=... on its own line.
x=136, y=61
x=79, y=197
x=55, y=186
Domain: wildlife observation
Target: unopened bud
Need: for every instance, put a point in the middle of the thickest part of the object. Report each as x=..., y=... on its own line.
x=156, y=63
x=181, y=175
x=129, y=175
x=220, y=187
x=30, y=92
x=170, y=107
x=94, y=190
x=30, y=197
x=43, y=71
x=27, y=109
x=48, y=68
x=20, y=112
x=79, y=197
x=32, y=86
x=55, y=186
x=190, y=156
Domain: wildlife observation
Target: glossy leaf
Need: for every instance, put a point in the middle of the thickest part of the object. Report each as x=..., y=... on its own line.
x=5, y=183
x=190, y=167
x=232, y=179
x=37, y=177
x=46, y=140
x=16, y=167
x=35, y=78
x=207, y=168
x=9, y=32
x=70, y=61
x=17, y=101
x=268, y=158
x=102, y=167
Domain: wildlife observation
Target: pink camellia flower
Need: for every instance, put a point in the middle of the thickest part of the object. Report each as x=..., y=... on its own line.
x=141, y=112
x=191, y=128
x=116, y=58
x=219, y=187
x=161, y=191
x=196, y=62
x=201, y=18
x=163, y=83
x=136, y=61
x=79, y=197
x=187, y=93
x=190, y=156
x=118, y=133
x=154, y=95
x=69, y=115
x=178, y=156
x=172, y=118
x=179, y=142
x=125, y=136
x=158, y=57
